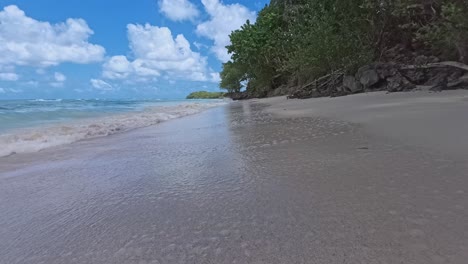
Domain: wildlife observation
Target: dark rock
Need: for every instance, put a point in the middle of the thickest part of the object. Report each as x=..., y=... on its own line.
x=455, y=74
x=341, y=88
x=416, y=76
x=460, y=83
x=339, y=91
x=439, y=82
x=238, y=96
x=399, y=83
x=351, y=84
x=367, y=76
x=413, y=72
x=385, y=70
x=282, y=90
x=437, y=78
x=432, y=76
x=424, y=88
x=464, y=78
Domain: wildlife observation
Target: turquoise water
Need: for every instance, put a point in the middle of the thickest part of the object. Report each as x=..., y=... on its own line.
x=33, y=125
x=31, y=113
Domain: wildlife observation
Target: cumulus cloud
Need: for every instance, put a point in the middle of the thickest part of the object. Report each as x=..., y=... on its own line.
x=178, y=10
x=117, y=67
x=59, y=80
x=9, y=76
x=156, y=52
x=59, y=77
x=101, y=85
x=223, y=20
x=215, y=77
x=29, y=42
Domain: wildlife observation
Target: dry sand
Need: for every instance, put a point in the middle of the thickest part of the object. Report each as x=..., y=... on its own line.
x=370, y=178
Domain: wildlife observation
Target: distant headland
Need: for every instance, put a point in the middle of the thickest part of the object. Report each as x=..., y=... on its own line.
x=206, y=95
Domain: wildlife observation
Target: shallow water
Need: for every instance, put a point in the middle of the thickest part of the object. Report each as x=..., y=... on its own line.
x=234, y=185
x=35, y=112
x=34, y=125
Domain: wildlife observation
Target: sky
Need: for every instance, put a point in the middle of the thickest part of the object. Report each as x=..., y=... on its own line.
x=116, y=48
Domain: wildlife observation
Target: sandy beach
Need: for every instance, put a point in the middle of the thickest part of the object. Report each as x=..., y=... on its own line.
x=369, y=178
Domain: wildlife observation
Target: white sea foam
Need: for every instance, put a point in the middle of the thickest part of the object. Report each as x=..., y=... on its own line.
x=39, y=138
x=46, y=100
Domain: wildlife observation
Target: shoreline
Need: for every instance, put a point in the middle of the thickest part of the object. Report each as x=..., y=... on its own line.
x=251, y=182
x=40, y=137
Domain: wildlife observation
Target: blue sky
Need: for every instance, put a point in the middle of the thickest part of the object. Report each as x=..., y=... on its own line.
x=115, y=49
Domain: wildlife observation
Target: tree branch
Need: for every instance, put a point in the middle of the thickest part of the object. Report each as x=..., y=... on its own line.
x=454, y=64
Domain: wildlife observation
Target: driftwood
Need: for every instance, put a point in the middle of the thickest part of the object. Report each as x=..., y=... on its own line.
x=332, y=79
x=438, y=76
x=444, y=64
x=316, y=80
x=325, y=77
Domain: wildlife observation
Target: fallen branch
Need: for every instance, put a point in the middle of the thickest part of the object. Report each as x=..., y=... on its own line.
x=332, y=79
x=454, y=64
x=321, y=79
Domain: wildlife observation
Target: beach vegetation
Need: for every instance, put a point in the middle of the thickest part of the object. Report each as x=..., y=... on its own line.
x=205, y=95
x=295, y=41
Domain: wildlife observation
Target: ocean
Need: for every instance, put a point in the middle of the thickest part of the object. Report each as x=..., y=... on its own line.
x=33, y=125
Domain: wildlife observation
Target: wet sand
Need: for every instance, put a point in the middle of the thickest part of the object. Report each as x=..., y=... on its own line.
x=360, y=179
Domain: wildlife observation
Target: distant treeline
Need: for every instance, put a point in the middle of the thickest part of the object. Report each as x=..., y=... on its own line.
x=205, y=95
x=295, y=41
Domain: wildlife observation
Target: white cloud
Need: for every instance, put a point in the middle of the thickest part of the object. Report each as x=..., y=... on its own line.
x=16, y=90
x=223, y=20
x=117, y=67
x=178, y=10
x=101, y=85
x=8, y=76
x=215, y=77
x=2, y=90
x=59, y=77
x=156, y=52
x=200, y=46
x=29, y=42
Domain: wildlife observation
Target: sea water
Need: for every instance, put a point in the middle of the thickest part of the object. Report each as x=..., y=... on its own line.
x=33, y=125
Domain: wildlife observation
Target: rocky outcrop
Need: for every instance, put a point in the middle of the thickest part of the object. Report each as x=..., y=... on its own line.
x=238, y=96
x=368, y=76
x=426, y=73
x=352, y=85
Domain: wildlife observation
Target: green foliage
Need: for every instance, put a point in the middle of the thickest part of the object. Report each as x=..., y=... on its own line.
x=295, y=41
x=231, y=77
x=205, y=95
x=256, y=53
x=449, y=33
x=328, y=36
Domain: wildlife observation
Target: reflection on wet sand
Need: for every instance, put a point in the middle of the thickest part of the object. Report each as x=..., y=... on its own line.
x=233, y=185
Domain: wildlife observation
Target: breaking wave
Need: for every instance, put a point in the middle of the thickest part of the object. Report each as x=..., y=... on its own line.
x=39, y=138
